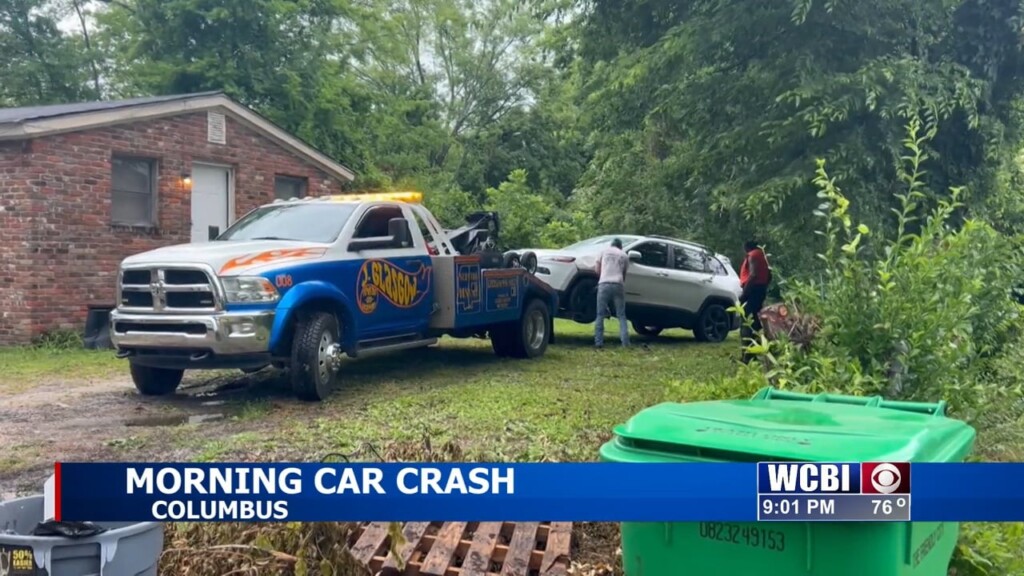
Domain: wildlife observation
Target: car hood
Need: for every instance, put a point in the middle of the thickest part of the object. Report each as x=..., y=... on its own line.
x=231, y=258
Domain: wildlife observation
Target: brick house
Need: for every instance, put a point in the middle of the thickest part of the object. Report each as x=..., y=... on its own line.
x=82, y=186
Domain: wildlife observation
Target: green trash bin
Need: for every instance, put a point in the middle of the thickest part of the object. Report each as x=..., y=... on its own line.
x=774, y=426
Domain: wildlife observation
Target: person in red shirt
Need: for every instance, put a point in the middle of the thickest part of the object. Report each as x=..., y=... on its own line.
x=755, y=276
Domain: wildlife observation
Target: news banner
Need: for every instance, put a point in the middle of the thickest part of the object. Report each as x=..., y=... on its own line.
x=595, y=492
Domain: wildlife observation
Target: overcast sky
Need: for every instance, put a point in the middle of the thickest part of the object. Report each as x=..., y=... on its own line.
x=70, y=21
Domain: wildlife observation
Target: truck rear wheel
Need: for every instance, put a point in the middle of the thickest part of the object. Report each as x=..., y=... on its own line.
x=527, y=337
x=314, y=354
x=155, y=381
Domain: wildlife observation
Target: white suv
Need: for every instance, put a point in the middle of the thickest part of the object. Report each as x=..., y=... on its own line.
x=671, y=283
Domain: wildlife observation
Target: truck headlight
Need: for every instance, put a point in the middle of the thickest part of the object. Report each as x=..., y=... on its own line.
x=248, y=290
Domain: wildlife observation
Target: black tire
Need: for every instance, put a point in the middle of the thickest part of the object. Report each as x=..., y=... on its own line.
x=511, y=260
x=312, y=374
x=527, y=337
x=155, y=381
x=583, y=301
x=713, y=324
x=503, y=340
x=643, y=330
x=529, y=262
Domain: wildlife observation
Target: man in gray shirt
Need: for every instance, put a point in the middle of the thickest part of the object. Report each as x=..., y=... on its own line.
x=611, y=289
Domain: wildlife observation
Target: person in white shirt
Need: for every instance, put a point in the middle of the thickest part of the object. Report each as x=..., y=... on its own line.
x=611, y=289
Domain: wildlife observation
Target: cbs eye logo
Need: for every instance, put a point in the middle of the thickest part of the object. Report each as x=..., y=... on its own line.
x=885, y=478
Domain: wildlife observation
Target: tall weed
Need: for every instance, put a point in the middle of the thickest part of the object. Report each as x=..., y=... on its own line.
x=918, y=313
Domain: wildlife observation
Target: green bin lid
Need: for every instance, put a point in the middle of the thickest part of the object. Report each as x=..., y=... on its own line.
x=776, y=425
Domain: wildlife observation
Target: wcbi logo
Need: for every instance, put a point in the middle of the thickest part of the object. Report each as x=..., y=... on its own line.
x=833, y=478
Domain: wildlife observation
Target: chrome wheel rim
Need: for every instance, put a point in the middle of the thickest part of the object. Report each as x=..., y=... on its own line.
x=536, y=329
x=325, y=356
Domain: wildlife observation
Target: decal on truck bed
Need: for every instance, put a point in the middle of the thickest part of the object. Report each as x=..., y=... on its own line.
x=272, y=256
x=467, y=286
x=503, y=289
x=384, y=279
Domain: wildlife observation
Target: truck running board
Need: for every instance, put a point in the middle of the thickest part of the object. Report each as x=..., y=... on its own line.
x=365, y=350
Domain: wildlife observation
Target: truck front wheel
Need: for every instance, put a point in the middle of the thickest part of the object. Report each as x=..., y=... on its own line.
x=156, y=381
x=527, y=337
x=314, y=356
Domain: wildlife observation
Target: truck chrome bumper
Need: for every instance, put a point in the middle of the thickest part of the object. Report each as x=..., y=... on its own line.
x=222, y=334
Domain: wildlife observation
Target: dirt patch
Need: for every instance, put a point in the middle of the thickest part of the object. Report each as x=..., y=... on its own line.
x=99, y=419
x=105, y=419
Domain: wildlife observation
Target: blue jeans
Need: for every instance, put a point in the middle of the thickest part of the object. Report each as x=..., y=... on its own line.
x=607, y=295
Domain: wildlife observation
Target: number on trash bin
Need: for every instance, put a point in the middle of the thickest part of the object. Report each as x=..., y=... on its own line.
x=752, y=536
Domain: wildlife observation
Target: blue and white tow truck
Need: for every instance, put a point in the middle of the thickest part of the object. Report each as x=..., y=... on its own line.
x=299, y=284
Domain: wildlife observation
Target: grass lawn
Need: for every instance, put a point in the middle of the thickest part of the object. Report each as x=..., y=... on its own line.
x=457, y=401
x=460, y=395
x=410, y=405
x=21, y=368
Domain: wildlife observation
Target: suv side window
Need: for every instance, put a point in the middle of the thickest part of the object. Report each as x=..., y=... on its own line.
x=653, y=254
x=688, y=259
x=718, y=268
x=374, y=222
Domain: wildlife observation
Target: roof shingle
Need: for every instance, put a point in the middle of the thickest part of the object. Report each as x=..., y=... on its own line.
x=27, y=113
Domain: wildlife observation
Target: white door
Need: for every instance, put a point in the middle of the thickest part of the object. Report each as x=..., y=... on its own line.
x=692, y=278
x=648, y=282
x=211, y=201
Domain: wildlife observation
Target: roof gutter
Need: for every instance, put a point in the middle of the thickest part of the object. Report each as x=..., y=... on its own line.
x=102, y=118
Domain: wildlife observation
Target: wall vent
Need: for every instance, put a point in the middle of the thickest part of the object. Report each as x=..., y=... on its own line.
x=216, y=128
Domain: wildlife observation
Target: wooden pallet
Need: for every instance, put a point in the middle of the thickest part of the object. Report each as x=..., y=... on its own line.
x=467, y=548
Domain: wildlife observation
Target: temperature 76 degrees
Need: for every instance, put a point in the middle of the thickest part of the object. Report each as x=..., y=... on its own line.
x=885, y=506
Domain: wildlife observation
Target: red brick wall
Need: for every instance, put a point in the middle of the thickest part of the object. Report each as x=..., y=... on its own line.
x=65, y=256
x=15, y=227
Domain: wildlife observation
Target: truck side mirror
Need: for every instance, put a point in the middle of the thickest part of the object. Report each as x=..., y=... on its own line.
x=635, y=256
x=213, y=231
x=398, y=230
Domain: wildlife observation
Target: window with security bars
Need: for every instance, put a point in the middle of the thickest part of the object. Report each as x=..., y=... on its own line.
x=133, y=191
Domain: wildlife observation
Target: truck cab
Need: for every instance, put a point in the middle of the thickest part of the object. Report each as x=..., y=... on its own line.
x=298, y=284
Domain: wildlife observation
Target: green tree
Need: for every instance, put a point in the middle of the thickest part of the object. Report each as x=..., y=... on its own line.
x=40, y=64
x=727, y=104
x=279, y=57
x=524, y=213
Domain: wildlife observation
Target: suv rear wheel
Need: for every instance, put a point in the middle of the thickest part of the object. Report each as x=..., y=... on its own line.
x=713, y=324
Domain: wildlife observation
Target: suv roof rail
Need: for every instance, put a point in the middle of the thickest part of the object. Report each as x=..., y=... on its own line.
x=688, y=242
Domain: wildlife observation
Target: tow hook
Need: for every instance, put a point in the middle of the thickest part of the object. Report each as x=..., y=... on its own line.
x=124, y=354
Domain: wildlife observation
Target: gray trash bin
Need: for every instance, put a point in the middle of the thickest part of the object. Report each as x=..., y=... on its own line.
x=125, y=549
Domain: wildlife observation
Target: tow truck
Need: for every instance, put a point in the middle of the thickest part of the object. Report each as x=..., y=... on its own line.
x=299, y=284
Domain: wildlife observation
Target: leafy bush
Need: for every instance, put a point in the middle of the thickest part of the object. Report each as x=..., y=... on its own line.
x=922, y=312
x=917, y=314
x=57, y=340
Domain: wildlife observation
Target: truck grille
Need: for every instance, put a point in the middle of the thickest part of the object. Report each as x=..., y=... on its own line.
x=167, y=289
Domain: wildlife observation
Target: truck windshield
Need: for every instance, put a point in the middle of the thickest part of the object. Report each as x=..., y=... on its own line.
x=306, y=222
